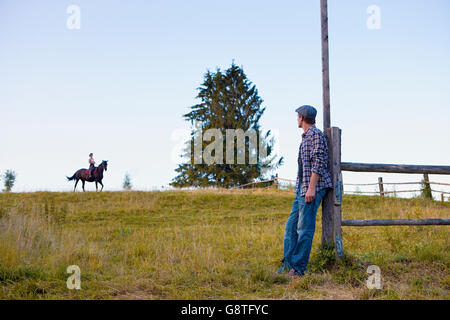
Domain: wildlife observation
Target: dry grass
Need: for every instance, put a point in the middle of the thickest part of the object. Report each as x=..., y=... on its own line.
x=209, y=244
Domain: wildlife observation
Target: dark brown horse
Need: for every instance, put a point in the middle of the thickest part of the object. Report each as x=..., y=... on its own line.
x=97, y=176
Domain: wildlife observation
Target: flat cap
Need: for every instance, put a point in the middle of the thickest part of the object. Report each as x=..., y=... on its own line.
x=307, y=111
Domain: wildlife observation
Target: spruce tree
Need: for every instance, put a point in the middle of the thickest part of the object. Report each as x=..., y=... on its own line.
x=228, y=101
x=127, y=182
x=9, y=179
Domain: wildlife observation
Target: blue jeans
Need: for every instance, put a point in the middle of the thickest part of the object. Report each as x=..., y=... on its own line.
x=299, y=232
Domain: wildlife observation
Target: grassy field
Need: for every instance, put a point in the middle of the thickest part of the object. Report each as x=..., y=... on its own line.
x=210, y=245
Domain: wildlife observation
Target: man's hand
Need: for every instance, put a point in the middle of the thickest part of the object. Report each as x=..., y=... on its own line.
x=310, y=194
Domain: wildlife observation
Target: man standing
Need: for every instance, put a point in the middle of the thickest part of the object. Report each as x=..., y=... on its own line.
x=313, y=180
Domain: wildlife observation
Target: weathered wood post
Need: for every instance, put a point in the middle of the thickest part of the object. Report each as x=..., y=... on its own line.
x=426, y=178
x=327, y=216
x=325, y=64
x=380, y=186
x=442, y=197
x=427, y=188
x=331, y=206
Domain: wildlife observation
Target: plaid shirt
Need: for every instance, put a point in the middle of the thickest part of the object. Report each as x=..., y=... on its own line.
x=313, y=157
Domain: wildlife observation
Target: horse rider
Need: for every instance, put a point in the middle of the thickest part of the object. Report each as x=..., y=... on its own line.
x=91, y=164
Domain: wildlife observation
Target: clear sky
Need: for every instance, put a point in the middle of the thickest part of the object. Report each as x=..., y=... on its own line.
x=118, y=86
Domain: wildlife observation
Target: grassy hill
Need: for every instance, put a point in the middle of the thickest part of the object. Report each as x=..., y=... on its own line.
x=209, y=245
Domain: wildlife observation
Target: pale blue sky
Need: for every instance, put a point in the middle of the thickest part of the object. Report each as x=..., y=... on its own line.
x=119, y=86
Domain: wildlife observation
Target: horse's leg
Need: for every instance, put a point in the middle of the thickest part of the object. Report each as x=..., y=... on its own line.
x=76, y=182
x=102, y=186
x=82, y=181
x=96, y=186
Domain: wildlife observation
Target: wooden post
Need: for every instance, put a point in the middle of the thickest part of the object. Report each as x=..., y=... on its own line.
x=325, y=65
x=442, y=197
x=331, y=206
x=380, y=186
x=327, y=204
x=328, y=199
x=426, y=178
x=338, y=191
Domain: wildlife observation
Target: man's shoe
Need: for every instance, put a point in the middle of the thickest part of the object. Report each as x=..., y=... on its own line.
x=293, y=273
x=284, y=268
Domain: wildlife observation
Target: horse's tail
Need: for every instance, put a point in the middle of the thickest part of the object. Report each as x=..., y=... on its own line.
x=72, y=177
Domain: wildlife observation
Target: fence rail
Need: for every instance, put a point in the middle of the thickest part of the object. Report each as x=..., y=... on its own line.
x=394, y=168
x=395, y=222
x=399, y=191
x=397, y=168
x=381, y=185
x=374, y=184
x=275, y=182
x=255, y=183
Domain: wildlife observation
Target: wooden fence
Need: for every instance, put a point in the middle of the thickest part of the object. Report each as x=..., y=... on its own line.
x=381, y=191
x=331, y=209
x=275, y=182
x=331, y=206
